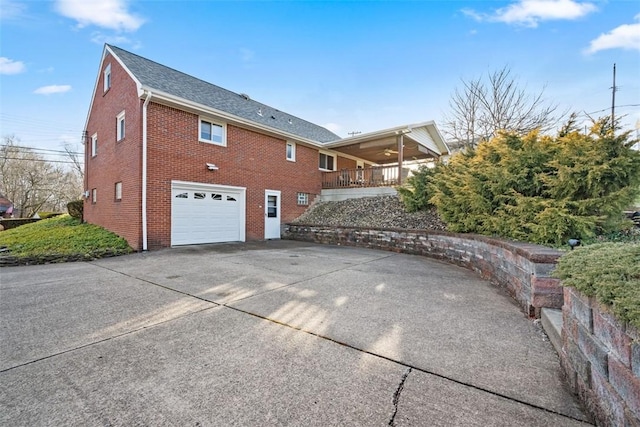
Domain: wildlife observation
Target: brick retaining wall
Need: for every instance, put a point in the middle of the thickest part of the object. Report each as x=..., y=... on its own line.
x=601, y=358
x=522, y=268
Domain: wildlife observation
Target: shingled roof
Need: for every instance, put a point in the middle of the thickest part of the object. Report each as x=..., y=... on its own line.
x=158, y=77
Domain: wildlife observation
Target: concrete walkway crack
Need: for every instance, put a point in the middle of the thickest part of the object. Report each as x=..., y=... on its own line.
x=396, y=397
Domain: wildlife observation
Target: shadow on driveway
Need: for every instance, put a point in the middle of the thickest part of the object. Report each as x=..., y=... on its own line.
x=271, y=333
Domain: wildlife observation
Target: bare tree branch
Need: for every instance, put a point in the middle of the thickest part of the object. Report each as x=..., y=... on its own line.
x=32, y=183
x=485, y=106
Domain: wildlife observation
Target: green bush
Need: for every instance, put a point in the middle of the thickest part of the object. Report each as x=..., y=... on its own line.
x=62, y=235
x=536, y=188
x=415, y=194
x=75, y=209
x=608, y=271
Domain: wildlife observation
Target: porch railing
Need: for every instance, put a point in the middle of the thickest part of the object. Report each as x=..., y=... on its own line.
x=378, y=176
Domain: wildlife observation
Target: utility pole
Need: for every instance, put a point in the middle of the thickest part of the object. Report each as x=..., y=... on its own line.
x=355, y=132
x=613, y=99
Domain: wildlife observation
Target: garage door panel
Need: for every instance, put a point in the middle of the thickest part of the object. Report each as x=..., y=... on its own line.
x=206, y=215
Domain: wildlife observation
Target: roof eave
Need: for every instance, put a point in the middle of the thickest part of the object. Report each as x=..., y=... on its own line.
x=203, y=109
x=105, y=50
x=365, y=137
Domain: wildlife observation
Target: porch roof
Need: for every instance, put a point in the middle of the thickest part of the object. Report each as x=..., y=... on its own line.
x=420, y=141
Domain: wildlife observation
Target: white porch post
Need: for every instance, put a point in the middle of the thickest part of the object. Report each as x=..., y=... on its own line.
x=400, y=156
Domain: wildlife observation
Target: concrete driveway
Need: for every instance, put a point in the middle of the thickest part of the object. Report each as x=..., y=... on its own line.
x=271, y=333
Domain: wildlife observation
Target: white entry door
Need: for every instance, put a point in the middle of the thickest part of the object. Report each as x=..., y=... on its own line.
x=271, y=214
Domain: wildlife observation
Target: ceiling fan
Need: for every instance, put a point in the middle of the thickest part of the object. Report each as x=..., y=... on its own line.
x=388, y=152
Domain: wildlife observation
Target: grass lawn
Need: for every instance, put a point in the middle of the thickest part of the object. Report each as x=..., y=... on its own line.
x=62, y=236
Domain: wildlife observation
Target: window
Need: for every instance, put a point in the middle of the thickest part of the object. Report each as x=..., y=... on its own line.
x=303, y=198
x=291, y=151
x=94, y=145
x=216, y=196
x=107, y=77
x=118, y=191
x=272, y=206
x=182, y=196
x=199, y=196
x=212, y=133
x=94, y=195
x=120, y=127
x=327, y=161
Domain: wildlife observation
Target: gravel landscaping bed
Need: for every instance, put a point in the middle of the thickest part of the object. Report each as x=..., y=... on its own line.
x=374, y=212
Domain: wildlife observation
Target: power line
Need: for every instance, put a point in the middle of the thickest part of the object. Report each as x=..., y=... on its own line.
x=42, y=160
x=41, y=149
x=617, y=106
x=38, y=122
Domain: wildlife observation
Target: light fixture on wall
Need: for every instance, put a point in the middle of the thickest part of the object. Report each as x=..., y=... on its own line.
x=212, y=167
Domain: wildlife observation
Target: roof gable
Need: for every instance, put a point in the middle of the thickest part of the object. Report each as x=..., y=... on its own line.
x=158, y=77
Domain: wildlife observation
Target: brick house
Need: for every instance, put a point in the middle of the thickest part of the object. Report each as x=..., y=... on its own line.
x=173, y=160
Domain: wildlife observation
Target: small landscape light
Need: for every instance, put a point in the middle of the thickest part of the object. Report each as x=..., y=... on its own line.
x=573, y=243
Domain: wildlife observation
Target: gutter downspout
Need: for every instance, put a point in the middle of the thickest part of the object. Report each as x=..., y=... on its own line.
x=144, y=170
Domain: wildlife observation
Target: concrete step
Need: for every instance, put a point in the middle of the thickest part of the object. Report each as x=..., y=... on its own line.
x=552, y=323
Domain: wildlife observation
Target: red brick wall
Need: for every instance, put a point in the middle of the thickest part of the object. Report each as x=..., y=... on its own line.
x=115, y=161
x=250, y=159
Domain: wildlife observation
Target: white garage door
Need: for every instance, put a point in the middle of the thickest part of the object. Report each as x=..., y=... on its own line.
x=204, y=213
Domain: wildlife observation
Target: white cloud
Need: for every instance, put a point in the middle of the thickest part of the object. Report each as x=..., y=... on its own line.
x=530, y=12
x=111, y=14
x=49, y=90
x=626, y=36
x=118, y=40
x=10, y=10
x=9, y=66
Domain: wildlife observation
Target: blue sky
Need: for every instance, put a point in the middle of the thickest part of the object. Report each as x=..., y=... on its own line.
x=346, y=65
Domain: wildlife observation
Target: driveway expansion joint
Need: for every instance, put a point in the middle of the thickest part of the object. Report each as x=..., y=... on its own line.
x=345, y=344
x=157, y=284
x=113, y=337
x=407, y=365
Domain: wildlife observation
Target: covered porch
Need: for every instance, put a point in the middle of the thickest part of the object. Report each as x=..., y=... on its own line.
x=385, y=158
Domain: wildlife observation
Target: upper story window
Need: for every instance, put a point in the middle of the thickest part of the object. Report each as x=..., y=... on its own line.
x=213, y=133
x=107, y=77
x=120, y=127
x=94, y=145
x=291, y=151
x=327, y=162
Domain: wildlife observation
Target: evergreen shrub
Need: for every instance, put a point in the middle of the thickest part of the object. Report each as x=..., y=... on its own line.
x=608, y=271
x=535, y=188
